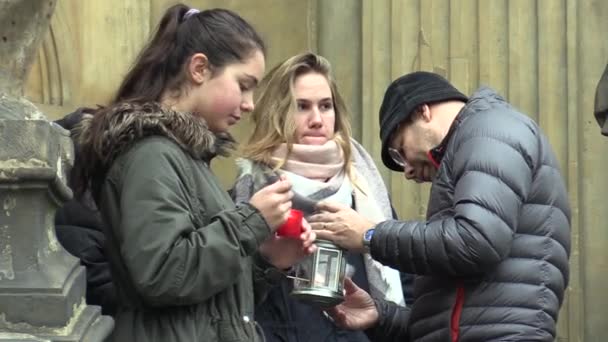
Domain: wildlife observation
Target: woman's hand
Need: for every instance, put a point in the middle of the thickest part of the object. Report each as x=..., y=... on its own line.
x=284, y=252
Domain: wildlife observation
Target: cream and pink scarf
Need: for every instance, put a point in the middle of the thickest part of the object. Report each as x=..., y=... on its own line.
x=319, y=162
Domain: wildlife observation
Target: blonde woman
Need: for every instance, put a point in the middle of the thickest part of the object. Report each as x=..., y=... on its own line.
x=302, y=132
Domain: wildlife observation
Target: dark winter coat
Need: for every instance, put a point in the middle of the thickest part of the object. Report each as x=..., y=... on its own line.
x=79, y=229
x=183, y=256
x=492, y=257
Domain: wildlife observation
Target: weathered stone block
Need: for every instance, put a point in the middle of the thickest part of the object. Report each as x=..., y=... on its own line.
x=42, y=287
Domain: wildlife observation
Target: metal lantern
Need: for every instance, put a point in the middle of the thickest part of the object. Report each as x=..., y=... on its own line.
x=319, y=279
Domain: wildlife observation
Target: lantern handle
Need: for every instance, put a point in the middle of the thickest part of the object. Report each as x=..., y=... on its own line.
x=298, y=278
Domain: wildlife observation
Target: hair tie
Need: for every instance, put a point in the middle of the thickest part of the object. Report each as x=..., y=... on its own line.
x=190, y=13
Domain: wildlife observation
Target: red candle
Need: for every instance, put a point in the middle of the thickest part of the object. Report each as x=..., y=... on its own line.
x=292, y=228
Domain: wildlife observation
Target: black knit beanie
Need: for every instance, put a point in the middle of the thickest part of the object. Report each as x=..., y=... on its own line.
x=406, y=94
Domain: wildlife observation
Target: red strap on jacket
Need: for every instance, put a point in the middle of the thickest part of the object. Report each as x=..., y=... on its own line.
x=456, y=311
x=435, y=163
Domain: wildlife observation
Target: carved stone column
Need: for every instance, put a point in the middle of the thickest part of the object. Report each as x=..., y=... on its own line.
x=42, y=287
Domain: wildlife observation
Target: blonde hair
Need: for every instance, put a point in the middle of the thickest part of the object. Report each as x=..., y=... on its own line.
x=276, y=105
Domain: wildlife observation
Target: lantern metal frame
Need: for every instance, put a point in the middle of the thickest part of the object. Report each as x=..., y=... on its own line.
x=317, y=294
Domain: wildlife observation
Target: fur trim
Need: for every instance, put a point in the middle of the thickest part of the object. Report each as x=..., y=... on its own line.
x=112, y=131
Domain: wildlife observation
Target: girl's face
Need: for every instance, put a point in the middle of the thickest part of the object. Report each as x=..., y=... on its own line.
x=223, y=97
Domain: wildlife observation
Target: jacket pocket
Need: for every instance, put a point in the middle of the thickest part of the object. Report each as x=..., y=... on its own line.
x=231, y=331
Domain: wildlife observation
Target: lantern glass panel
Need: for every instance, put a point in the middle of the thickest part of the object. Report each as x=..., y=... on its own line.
x=303, y=272
x=328, y=267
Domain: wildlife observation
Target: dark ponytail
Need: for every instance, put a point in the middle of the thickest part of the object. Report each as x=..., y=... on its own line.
x=222, y=35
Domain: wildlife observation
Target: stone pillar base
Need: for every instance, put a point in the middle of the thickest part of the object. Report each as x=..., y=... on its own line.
x=42, y=287
x=86, y=325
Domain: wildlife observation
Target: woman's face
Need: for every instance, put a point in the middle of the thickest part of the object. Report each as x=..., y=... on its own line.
x=315, y=117
x=221, y=99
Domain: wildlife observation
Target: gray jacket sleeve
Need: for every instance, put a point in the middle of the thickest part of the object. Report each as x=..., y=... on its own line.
x=242, y=190
x=491, y=173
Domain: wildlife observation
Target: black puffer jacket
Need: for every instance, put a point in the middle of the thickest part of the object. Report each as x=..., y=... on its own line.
x=493, y=254
x=79, y=229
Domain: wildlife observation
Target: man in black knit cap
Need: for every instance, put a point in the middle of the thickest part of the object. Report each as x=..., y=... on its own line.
x=491, y=258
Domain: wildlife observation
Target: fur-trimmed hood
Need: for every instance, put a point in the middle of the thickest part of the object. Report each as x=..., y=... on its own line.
x=113, y=130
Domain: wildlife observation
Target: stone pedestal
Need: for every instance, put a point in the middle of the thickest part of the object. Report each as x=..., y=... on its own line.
x=42, y=287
